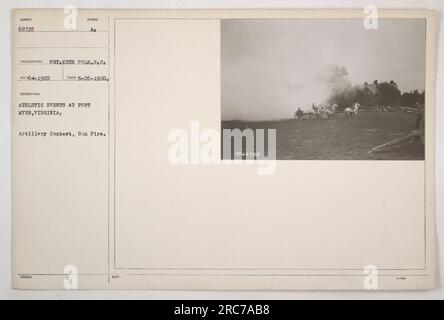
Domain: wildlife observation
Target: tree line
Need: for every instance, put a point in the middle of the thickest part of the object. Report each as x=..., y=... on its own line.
x=381, y=94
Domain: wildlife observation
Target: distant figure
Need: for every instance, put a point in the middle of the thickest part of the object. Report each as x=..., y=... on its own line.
x=315, y=110
x=299, y=114
x=419, y=116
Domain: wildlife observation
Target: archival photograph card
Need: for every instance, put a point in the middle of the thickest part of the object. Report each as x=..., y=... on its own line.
x=223, y=149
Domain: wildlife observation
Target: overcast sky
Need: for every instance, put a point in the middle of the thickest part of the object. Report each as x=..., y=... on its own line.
x=269, y=67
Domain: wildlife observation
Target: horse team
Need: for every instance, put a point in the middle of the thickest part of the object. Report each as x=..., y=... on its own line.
x=326, y=112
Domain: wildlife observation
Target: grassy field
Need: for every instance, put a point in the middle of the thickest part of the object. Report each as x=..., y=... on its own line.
x=341, y=138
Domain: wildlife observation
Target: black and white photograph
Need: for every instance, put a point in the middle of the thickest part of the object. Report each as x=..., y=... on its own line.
x=331, y=89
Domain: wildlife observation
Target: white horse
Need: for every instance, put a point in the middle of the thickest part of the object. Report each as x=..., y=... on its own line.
x=330, y=111
x=325, y=111
x=353, y=111
x=309, y=115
